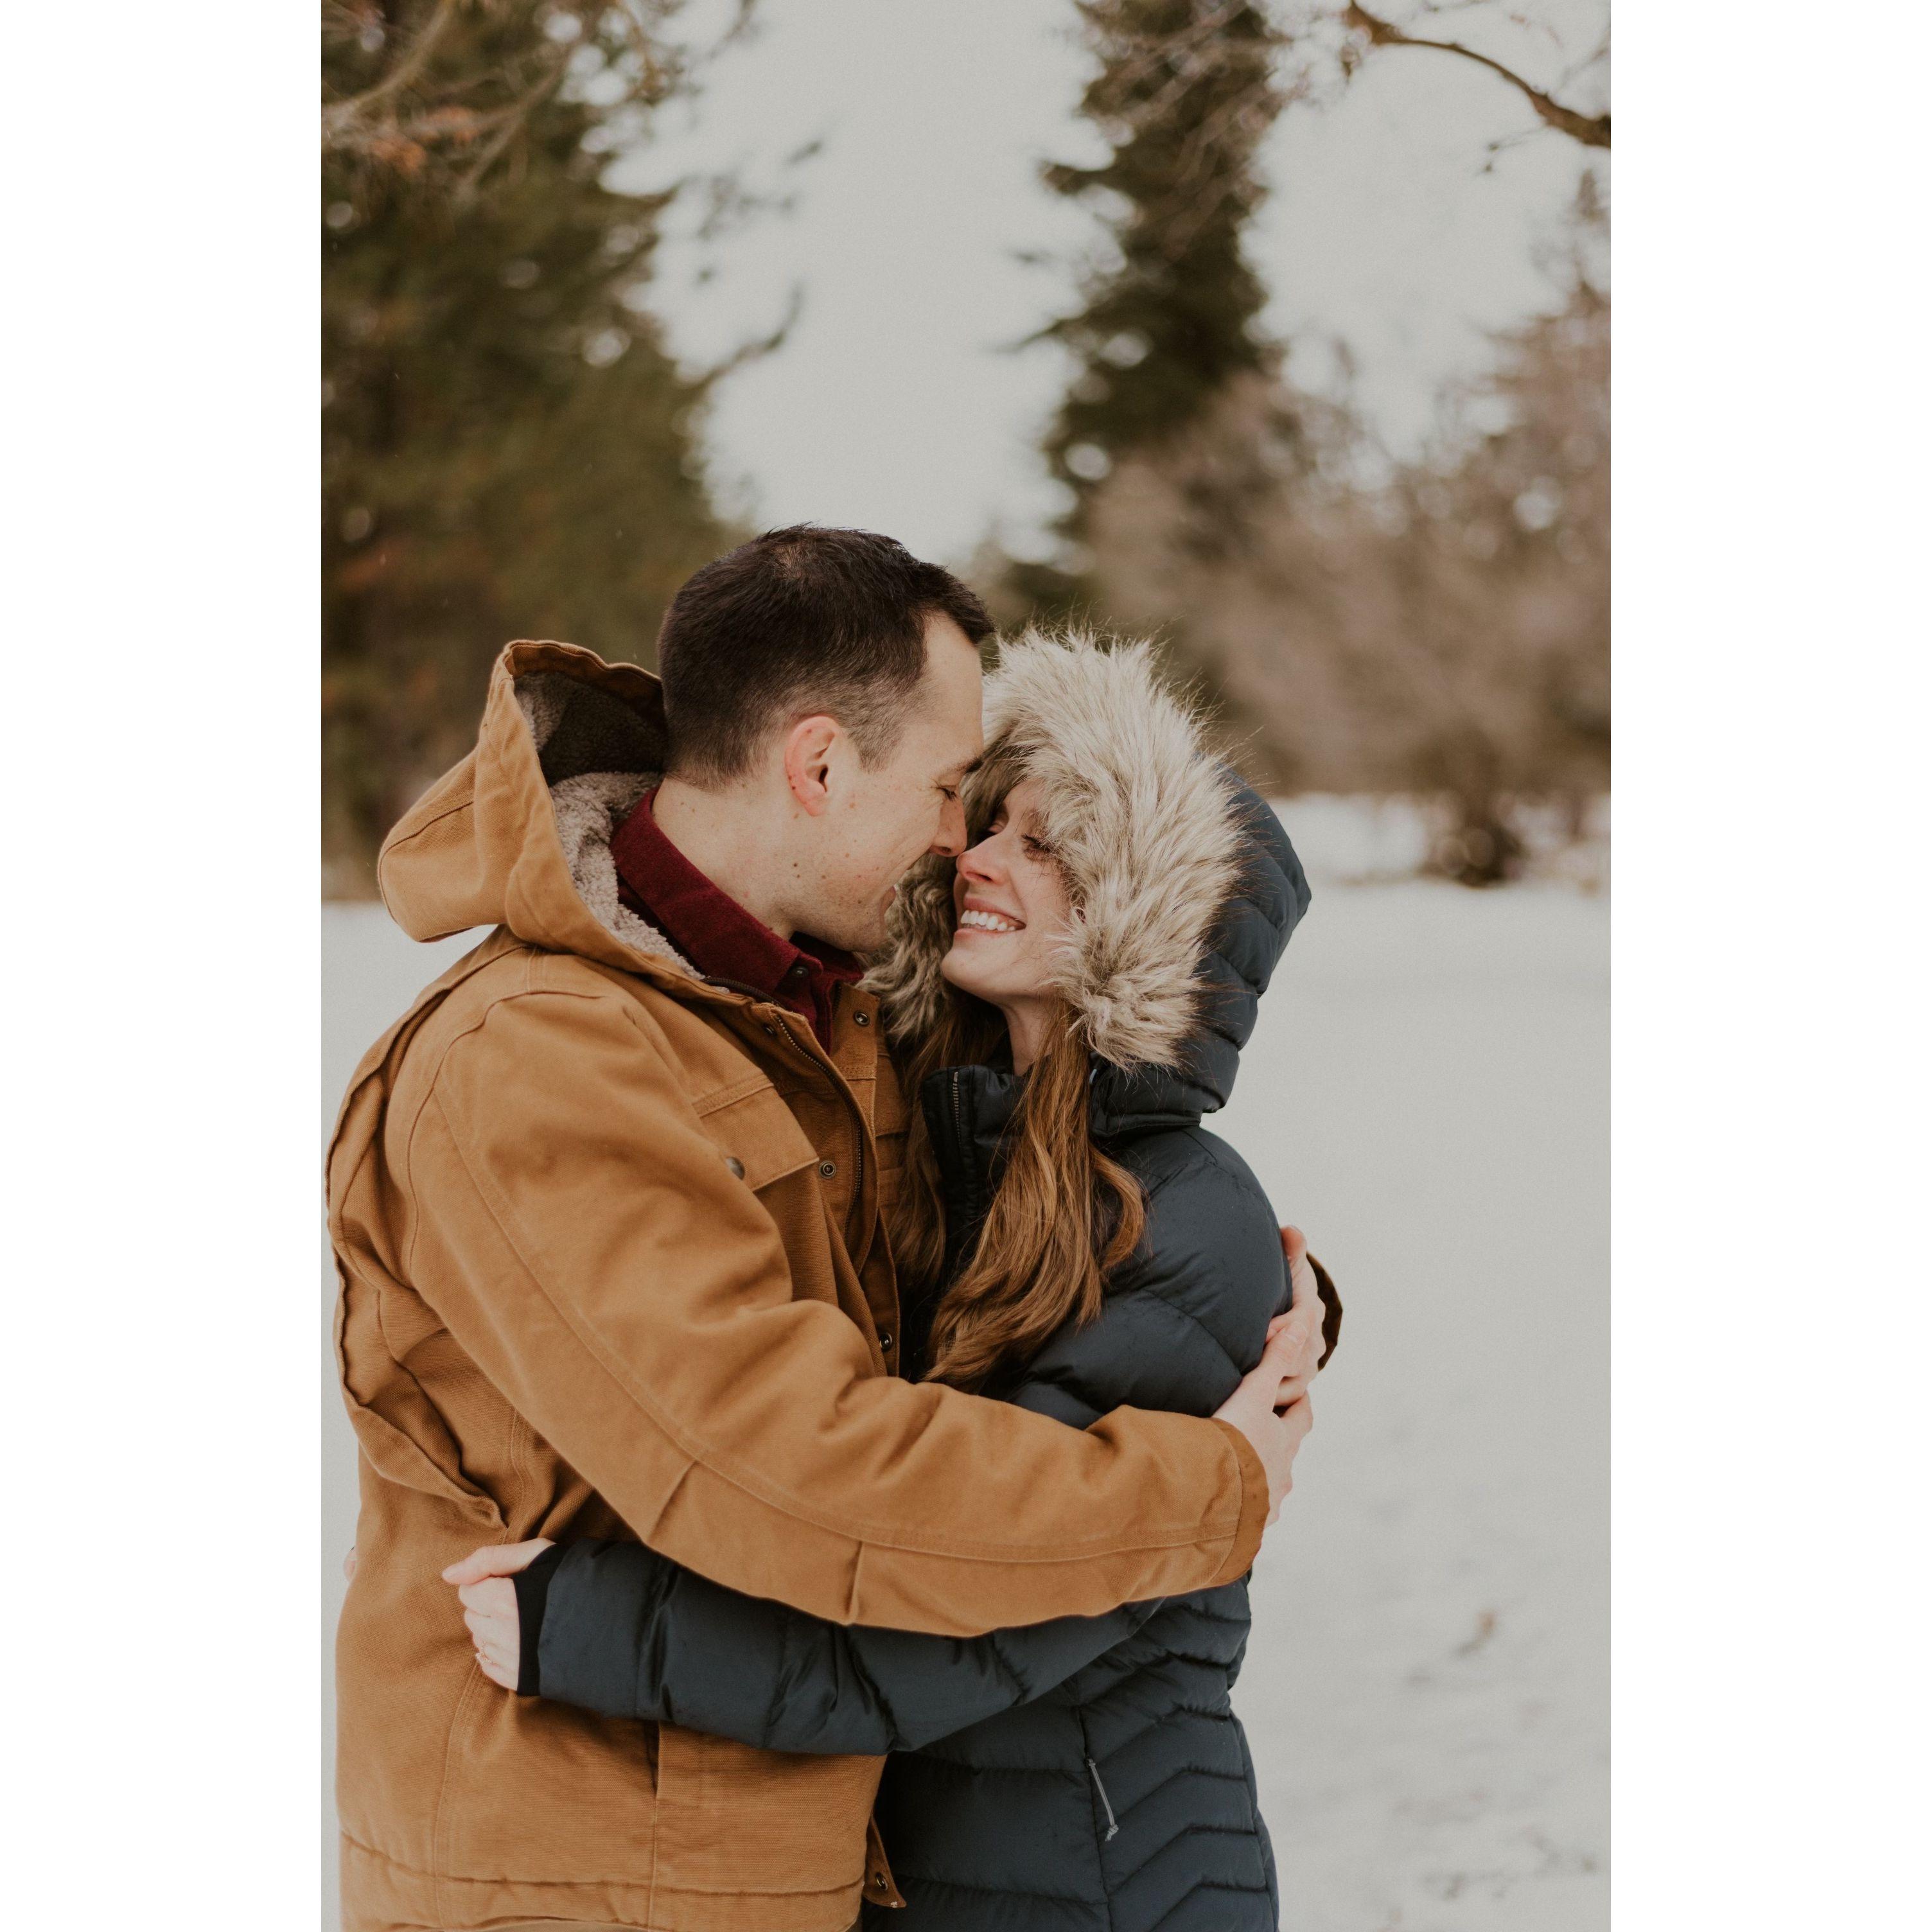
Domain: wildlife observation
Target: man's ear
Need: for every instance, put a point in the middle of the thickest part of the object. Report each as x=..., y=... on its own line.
x=808, y=748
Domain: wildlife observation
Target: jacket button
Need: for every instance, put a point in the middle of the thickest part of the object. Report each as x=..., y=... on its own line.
x=886, y=1339
x=861, y=1019
x=828, y=1169
x=737, y=1166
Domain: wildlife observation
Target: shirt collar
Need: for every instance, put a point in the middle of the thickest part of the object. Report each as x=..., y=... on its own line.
x=706, y=924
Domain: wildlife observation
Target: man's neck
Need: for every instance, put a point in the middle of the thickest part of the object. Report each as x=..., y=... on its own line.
x=728, y=835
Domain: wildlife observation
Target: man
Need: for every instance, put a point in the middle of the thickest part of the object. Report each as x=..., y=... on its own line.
x=606, y=1205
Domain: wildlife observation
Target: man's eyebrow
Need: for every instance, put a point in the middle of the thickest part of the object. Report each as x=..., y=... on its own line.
x=961, y=772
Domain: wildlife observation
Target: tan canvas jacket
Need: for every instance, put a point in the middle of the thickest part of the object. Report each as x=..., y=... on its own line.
x=609, y=1243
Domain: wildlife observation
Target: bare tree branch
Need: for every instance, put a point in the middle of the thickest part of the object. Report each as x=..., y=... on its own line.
x=1593, y=130
x=340, y=119
x=460, y=80
x=510, y=122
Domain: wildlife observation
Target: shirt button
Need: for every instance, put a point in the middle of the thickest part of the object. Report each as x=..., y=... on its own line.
x=828, y=1169
x=737, y=1166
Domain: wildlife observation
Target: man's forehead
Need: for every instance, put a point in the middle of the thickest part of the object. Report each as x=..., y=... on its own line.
x=950, y=722
x=963, y=766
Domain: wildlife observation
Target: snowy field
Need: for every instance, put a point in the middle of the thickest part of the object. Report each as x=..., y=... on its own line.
x=1427, y=1686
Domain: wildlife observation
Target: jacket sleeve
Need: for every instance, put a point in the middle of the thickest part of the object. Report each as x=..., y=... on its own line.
x=588, y=1247
x=626, y=1632
x=1188, y=1316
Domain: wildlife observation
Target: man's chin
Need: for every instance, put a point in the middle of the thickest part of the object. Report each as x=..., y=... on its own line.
x=865, y=938
x=863, y=931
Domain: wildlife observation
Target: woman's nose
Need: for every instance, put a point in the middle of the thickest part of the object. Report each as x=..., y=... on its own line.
x=978, y=862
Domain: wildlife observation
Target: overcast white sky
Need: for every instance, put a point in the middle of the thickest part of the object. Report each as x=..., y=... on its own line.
x=896, y=405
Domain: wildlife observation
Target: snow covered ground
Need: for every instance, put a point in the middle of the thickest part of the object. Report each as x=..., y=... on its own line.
x=1427, y=1687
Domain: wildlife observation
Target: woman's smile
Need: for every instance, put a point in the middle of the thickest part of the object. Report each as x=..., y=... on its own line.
x=978, y=916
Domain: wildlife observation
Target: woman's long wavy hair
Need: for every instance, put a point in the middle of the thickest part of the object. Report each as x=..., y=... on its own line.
x=1063, y=1216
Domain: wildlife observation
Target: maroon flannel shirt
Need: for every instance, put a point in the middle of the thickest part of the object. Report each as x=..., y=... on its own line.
x=716, y=933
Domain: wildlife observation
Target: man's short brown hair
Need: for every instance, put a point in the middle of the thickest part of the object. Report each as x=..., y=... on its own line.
x=797, y=621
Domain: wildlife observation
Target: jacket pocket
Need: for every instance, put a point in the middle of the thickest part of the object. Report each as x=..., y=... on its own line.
x=755, y=1133
x=1113, y=1830
x=736, y=1821
x=545, y=1793
x=1106, y=1826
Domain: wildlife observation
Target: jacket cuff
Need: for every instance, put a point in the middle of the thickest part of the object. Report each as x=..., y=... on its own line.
x=532, y=1583
x=1331, y=1311
x=1254, y=1508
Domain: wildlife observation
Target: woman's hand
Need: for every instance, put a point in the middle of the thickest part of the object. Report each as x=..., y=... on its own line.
x=1270, y=1407
x=489, y=1600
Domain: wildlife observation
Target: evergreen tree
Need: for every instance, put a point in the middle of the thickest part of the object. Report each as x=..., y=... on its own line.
x=1184, y=98
x=508, y=449
x=1444, y=632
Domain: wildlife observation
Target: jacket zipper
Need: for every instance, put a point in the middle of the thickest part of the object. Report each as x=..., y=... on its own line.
x=962, y=1144
x=957, y=1238
x=1106, y=1805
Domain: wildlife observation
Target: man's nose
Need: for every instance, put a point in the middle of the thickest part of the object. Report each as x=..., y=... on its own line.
x=951, y=841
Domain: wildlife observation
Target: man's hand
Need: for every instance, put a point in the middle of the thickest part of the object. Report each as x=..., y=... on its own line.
x=489, y=1600
x=1273, y=1437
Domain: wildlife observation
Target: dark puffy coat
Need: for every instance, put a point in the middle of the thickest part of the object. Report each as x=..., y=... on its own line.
x=1088, y=1773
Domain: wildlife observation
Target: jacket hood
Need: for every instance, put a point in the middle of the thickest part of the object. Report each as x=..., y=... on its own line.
x=518, y=835
x=1186, y=888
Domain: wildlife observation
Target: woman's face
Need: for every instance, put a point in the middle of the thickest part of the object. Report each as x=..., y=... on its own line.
x=1011, y=912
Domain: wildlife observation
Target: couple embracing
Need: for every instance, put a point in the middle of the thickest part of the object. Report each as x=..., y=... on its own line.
x=790, y=1311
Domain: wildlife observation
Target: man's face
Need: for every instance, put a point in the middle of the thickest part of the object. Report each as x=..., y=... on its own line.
x=886, y=817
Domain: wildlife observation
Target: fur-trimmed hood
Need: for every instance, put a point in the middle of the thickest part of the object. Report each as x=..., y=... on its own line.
x=1185, y=888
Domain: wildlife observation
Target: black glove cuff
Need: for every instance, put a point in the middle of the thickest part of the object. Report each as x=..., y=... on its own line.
x=532, y=1583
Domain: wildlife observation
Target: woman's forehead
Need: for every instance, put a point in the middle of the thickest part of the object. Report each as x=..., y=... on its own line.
x=1023, y=801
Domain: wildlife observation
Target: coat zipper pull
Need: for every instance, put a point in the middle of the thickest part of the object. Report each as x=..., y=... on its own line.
x=1113, y=1826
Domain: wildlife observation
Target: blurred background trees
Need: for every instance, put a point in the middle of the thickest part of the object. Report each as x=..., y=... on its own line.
x=507, y=449
x=1436, y=627
x=510, y=450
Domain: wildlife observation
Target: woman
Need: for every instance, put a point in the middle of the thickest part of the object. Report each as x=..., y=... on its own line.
x=1067, y=1001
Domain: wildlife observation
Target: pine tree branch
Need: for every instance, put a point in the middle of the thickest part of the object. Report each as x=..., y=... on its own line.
x=1592, y=130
